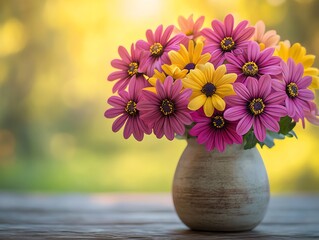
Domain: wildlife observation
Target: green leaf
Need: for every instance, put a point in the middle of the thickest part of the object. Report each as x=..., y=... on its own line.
x=292, y=132
x=269, y=141
x=275, y=135
x=250, y=140
x=286, y=125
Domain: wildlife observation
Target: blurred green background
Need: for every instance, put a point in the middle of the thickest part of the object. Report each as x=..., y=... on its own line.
x=54, y=60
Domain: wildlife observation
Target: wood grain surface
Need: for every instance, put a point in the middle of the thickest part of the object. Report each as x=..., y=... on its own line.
x=139, y=216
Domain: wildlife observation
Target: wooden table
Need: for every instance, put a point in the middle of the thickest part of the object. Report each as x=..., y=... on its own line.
x=139, y=216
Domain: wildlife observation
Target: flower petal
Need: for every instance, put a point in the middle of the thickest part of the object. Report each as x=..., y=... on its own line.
x=117, y=101
x=276, y=110
x=235, y=113
x=124, y=54
x=259, y=130
x=269, y=122
x=242, y=91
x=113, y=112
x=244, y=124
x=129, y=128
x=234, y=101
x=208, y=107
x=218, y=102
x=197, y=102
x=225, y=90
x=229, y=24
x=252, y=86
x=119, y=122
x=306, y=94
x=168, y=130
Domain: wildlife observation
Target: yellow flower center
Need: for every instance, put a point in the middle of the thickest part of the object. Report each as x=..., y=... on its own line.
x=292, y=90
x=218, y=122
x=167, y=107
x=131, y=108
x=209, y=89
x=156, y=49
x=189, y=33
x=227, y=44
x=250, y=69
x=132, y=68
x=256, y=106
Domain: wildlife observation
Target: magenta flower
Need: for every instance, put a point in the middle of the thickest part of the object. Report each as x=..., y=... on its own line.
x=224, y=38
x=255, y=105
x=157, y=47
x=124, y=106
x=214, y=131
x=253, y=63
x=166, y=110
x=294, y=88
x=128, y=70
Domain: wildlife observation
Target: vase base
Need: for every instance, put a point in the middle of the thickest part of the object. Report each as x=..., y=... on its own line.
x=199, y=224
x=222, y=229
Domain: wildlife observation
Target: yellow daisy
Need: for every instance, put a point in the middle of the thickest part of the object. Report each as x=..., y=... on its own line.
x=168, y=70
x=209, y=87
x=298, y=54
x=187, y=59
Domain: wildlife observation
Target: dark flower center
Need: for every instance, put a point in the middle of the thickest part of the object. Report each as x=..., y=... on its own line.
x=227, y=44
x=218, y=122
x=131, y=108
x=132, y=68
x=209, y=89
x=256, y=106
x=292, y=90
x=156, y=49
x=189, y=66
x=167, y=107
x=250, y=69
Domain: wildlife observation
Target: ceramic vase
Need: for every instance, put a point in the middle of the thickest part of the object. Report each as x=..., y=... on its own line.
x=214, y=191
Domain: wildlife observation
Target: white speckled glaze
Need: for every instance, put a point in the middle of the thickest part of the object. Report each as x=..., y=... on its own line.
x=215, y=191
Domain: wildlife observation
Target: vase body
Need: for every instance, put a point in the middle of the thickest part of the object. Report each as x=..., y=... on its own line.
x=215, y=191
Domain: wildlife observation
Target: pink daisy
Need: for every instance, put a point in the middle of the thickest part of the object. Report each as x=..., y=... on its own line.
x=253, y=63
x=128, y=70
x=124, y=106
x=190, y=28
x=224, y=38
x=265, y=39
x=214, y=131
x=313, y=115
x=166, y=110
x=157, y=47
x=294, y=88
x=256, y=106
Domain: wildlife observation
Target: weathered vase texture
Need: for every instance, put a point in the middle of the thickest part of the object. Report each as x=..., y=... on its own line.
x=215, y=191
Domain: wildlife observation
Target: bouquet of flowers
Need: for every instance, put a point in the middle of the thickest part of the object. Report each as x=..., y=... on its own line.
x=228, y=84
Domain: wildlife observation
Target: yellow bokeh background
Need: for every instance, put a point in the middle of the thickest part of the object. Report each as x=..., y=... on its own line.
x=54, y=60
